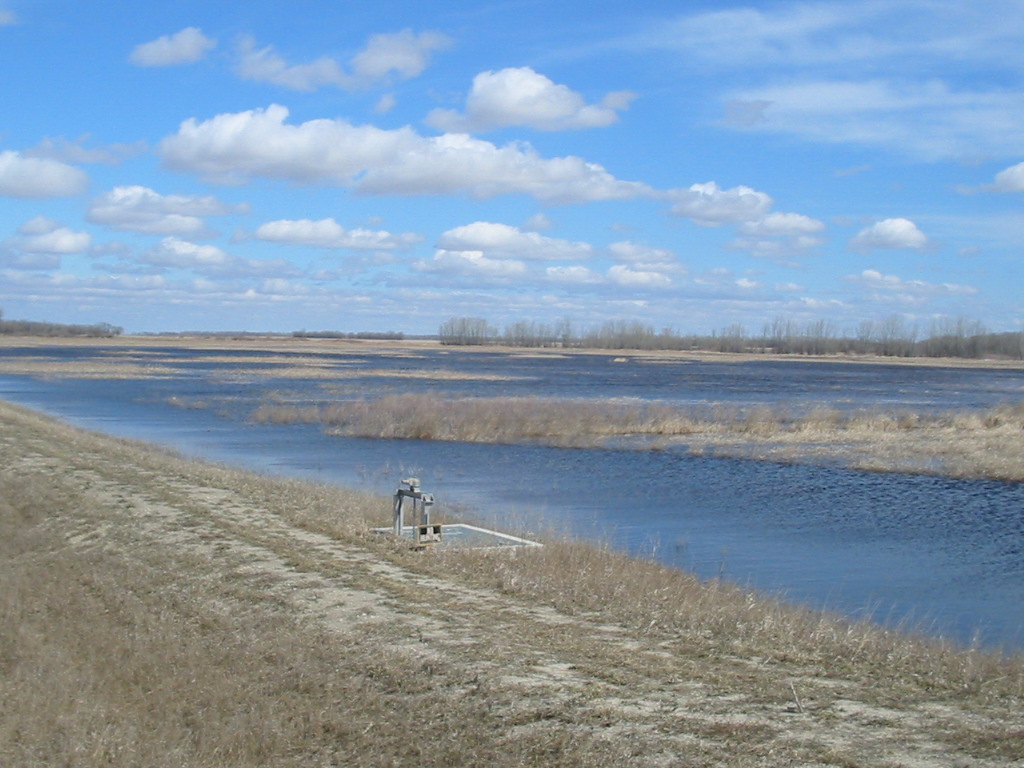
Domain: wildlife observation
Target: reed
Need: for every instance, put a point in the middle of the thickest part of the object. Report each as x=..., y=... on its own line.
x=964, y=444
x=159, y=612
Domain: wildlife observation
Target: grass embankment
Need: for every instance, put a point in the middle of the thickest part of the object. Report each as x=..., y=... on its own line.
x=161, y=612
x=976, y=444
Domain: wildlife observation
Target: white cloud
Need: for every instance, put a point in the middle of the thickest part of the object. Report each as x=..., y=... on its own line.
x=842, y=35
x=782, y=224
x=471, y=264
x=522, y=97
x=15, y=262
x=636, y=254
x=140, y=209
x=933, y=79
x=40, y=225
x=790, y=287
x=538, y=222
x=779, y=237
x=265, y=65
x=1010, y=180
x=60, y=148
x=573, y=275
x=44, y=235
x=236, y=147
x=890, y=233
x=911, y=289
x=327, y=233
x=38, y=177
x=175, y=253
x=405, y=54
x=385, y=104
x=784, y=250
x=708, y=205
x=184, y=47
x=7, y=18
x=928, y=119
x=501, y=241
x=626, y=276
x=181, y=254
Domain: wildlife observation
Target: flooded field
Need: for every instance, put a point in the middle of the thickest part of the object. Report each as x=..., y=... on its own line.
x=944, y=554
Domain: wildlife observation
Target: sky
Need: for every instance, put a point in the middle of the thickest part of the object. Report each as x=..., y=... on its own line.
x=386, y=165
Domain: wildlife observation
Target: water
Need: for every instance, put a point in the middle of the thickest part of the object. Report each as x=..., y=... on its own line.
x=948, y=554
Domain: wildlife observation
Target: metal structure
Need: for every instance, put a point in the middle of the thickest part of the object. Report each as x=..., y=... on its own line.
x=423, y=531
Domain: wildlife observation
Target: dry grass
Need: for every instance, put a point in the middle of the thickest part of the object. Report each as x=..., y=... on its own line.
x=162, y=612
x=985, y=444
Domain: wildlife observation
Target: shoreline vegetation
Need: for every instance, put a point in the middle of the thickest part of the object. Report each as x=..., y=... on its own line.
x=888, y=337
x=161, y=611
x=967, y=444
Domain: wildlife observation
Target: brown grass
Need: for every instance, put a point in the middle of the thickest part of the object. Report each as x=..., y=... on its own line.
x=161, y=612
x=964, y=444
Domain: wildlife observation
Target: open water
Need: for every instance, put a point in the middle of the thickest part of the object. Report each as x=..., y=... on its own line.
x=946, y=555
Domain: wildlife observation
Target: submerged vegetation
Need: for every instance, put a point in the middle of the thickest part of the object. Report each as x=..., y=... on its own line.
x=987, y=443
x=158, y=611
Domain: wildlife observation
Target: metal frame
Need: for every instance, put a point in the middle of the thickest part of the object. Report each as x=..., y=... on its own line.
x=421, y=504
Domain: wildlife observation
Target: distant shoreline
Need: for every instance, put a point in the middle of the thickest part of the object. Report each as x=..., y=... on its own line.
x=277, y=343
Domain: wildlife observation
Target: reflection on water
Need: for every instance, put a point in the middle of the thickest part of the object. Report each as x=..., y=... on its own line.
x=904, y=548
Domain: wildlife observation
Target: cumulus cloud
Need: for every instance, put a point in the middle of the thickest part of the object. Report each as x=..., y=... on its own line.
x=181, y=254
x=236, y=147
x=403, y=54
x=501, y=241
x=471, y=264
x=46, y=236
x=626, y=276
x=140, y=209
x=184, y=47
x=7, y=18
x=522, y=97
x=38, y=177
x=175, y=253
x=708, y=205
x=1010, y=180
x=327, y=233
x=779, y=237
x=890, y=233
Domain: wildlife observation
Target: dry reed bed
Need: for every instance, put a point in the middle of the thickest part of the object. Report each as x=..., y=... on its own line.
x=986, y=443
x=161, y=612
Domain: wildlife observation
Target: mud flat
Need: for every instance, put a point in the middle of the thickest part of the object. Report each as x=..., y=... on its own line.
x=158, y=611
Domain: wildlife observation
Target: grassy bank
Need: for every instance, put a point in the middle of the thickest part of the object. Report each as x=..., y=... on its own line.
x=162, y=612
x=980, y=444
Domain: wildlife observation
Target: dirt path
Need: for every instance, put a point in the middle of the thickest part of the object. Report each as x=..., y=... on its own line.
x=642, y=697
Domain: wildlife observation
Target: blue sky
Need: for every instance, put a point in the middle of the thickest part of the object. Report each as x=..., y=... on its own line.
x=276, y=166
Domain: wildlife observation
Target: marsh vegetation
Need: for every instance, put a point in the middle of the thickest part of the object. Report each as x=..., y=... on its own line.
x=157, y=611
x=987, y=443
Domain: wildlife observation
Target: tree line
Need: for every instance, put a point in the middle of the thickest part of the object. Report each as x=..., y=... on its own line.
x=37, y=328
x=892, y=336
